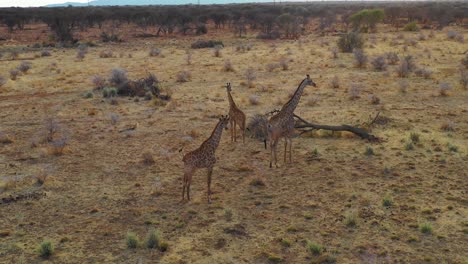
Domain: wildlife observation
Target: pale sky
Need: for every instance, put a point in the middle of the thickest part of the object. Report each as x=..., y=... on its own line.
x=28, y=3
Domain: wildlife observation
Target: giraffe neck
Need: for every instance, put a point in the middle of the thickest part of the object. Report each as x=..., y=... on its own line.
x=213, y=141
x=291, y=105
x=231, y=100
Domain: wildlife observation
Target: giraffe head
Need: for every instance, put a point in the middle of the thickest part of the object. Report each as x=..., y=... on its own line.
x=309, y=81
x=224, y=121
x=228, y=87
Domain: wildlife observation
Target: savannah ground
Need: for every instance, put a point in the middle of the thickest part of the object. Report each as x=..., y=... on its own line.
x=99, y=189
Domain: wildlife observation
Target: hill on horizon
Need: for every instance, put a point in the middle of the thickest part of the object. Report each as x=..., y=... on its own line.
x=154, y=2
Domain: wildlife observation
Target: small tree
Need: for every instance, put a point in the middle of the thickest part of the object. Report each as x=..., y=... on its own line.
x=350, y=41
x=367, y=19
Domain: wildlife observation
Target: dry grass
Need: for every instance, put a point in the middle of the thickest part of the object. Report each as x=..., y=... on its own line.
x=100, y=187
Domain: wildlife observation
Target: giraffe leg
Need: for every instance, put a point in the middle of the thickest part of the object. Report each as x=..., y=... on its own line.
x=183, y=186
x=189, y=181
x=275, y=144
x=290, y=150
x=231, y=129
x=285, y=148
x=271, y=152
x=210, y=172
x=235, y=132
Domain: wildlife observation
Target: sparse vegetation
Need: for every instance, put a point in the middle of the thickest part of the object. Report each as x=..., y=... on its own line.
x=387, y=201
x=250, y=76
x=154, y=52
x=46, y=249
x=184, y=76
x=228, y=66
x=379, y=64
x=24, y=67
x=153, y=239
x=354, y=91
x=314, y=248
x=425, y=228
x=350, y=41
x=412, y=26
x=132, y=240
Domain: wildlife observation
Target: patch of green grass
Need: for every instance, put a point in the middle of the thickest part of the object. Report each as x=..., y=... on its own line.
x=285, y=242
x=369, y=151
x=132, y=240
x=414, y=137
x=409, y=146
x=314, y=248
x=163, y=246
x=292, y=229
x=452, y=148
x=88, y=95
x=425, y=228
x=387, y=201
x=153, y=238
x=46, y=249
x=274, y=258
x=307, y=216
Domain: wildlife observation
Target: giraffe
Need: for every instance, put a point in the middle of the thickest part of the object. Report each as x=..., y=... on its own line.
x=203, y=157
x=282, y=124
x=236, y=116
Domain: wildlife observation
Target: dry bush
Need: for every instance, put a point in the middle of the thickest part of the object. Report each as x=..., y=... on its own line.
x=392, y=58
x=58, y=145
x=99, y=82
x=154, y=52
x=14, y=74
x=106, y=54
x=423, y=72
x=2, y=81
x=464, y=78
x=257, y=127
x=45, y=53
x=444, y=88
x=448, y=126
x=406, y=66
x=24, y=67
x=379, y=64
x=217, y=50
x=422, y=37
x=335, y=82
x=354, y=91
x=118, y=77
x=360, y=57
x=188, y=59
x=403, y=86
x=284, y=64
x=350, y=41
x=183, y=76
x=452, y=34
x=254, y=99
x=244, y=47
x=228, y=66
x=251, y=76
x=272, y=66
x=374, y=99
x=148, y=158
x=114, y=118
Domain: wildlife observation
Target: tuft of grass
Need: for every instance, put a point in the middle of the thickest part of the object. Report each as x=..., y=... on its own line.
x=132, y=240
x=46, y=249
x=425, y=228
x=350, y=219
x=163, y=246
x=414, y=137
x=369, y=151
x=153, y=239
x=452, y=148
x=109, y=92
x=409, y=146
x=228, y=214
x=387, y=201
x=285, y=242
x=274, y=258
x=314, y=248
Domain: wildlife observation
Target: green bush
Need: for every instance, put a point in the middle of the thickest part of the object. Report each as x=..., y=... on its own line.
x=314, y=248
x=412, y=26
x=366, y=19
x=46, y=249
x=132, y=240
x=350, y=41
x=153, y=240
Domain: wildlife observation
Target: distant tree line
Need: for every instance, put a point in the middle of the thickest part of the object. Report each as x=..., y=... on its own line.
x=268, y=21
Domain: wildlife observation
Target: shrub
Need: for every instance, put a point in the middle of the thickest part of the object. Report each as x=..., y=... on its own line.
x=464, y=78
x=335, y=82
x=350, y=219
x=409, y=146
x=118, y=77
x=24, y=67
x=360, y=57
x=88, y=95
x=106, y=54
x=228, y=66
x=354, y=91
x=183, y=76
x=423, y=72
x=99, y=82
x=58, y=145
x=272, y=66
x=379, y=63
x=217, y=50
x=403, y=85
x=45, y=53
x=251, y=76
x=154, y=52
x=132, y=240
x=80, y=55
x=387, y=201
x=350, y=41
x=200, y=44
x=460, y=38
x=412, y=26
x=153, y=239
x=444, y=88
x=254, y=99
x=392, y=58
x=105, y=37
x=406, y=66
x=314, y=248
x=284, y=64
x=109, y=92
x=114, y=118
x=257, y=127
x=452, y=34
x=422, y=37
x=425, y=228
x=46, y=249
